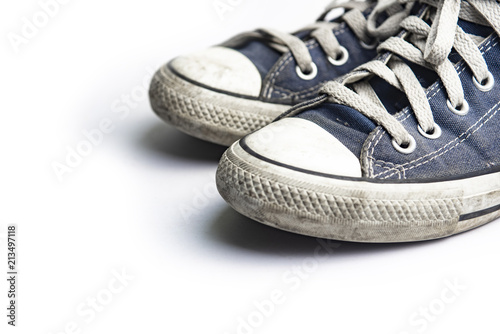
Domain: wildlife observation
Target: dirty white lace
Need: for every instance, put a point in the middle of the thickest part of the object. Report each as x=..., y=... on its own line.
x=427, y=46
x=365, y=29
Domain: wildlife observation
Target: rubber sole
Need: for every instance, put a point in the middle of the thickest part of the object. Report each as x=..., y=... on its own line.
x=206, y=114
x=354, y=210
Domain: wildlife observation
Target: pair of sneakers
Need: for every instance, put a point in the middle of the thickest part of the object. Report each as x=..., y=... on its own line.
x=404, y=147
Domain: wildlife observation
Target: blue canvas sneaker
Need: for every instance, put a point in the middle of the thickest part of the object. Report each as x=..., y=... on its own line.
x=404, y=148
x=227, y=91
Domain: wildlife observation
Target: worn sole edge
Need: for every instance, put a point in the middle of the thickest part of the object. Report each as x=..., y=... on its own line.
x=269, y=194
x=207, y=114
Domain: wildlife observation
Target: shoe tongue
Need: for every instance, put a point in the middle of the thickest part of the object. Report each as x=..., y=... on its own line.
x=351, y=127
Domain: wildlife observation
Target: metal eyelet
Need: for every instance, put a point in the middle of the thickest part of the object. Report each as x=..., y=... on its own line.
x=461, y=111
x=369, y=46
x=307, y=76
x=410, y=148
x=342, y=59
x=436, y=132
x=486, y=85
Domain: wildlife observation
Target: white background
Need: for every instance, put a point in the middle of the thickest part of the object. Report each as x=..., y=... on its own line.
x=143, y=200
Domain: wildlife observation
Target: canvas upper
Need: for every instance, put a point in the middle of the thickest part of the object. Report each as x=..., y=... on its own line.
x=268, y=65
x=376, y=124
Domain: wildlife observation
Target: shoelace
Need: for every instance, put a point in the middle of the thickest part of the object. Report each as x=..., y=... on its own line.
x=365, y=29
x=427, y=46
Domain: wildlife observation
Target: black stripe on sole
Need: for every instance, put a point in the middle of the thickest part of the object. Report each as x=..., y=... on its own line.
x=480, y=213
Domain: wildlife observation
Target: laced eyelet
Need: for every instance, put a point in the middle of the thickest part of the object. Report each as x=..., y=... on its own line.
x=410, y=147
x=371, y=46
x=436, y=132
x=307, y=76
x=341, y=59
x=486, y=85
x=461, y=111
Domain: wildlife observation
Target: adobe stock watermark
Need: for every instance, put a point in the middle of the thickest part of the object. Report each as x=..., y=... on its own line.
x=224, y=7
x=202, y=198
x=94, y=137
x=32, y=25
x=88, y=310
x=426, y=315
x=293, y=280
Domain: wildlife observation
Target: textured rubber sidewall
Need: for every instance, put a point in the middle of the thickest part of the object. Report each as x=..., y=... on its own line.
x=342, y=212
x=206, y=114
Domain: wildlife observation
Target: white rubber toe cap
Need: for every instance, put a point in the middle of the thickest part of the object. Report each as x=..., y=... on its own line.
x=302, y=144
x=221, y=68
